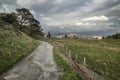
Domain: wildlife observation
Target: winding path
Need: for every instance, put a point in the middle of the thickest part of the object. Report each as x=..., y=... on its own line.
x=39, y=65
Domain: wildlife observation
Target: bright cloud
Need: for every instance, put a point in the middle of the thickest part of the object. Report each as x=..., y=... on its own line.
x=42, y=15
x=33, y=12
x=96, y=18
x=47, y=19
x=78, y=24
x=6, y=8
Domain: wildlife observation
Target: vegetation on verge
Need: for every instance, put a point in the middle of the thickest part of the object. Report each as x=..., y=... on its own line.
x=103, y=57
x=14, y=44
x=68, y=73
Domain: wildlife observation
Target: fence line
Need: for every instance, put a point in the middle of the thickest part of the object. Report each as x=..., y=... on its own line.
x=86, y=73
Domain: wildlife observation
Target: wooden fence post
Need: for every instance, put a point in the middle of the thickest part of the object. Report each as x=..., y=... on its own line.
x=70, y=55
x=76, y=57
x=66, y=50
x=84, y=63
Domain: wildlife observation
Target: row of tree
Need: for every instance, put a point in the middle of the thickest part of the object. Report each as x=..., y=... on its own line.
x=24, y=21
x=115, y=36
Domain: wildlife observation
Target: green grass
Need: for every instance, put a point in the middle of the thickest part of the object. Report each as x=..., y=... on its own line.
x=14, y=45
x=102, y=56
x=68, y=72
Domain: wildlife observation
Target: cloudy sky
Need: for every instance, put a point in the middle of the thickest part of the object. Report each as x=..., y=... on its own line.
x=85, y=17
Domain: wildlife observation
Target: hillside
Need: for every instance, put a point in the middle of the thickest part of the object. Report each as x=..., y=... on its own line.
x=13, y=45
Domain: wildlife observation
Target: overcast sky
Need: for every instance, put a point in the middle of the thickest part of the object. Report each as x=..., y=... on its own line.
x=85, y=17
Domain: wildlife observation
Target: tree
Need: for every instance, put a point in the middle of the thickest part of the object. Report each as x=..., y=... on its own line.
x=35, y=27
x=9, y=17
x=28, y=23
x=66, y=36
x=24, y=21
x=24, y=16
x=49, y=35
x=103, y=37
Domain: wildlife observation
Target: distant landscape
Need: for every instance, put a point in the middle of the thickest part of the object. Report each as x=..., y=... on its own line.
x=81, y=38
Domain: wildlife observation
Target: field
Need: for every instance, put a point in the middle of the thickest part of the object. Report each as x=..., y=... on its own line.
x=102, y=56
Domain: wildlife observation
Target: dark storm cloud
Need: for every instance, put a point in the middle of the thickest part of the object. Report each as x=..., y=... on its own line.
x=74, y=16
x=44, y=8
x=10, y=2
x=107, y=5
x=69, y=5
x=51, y=7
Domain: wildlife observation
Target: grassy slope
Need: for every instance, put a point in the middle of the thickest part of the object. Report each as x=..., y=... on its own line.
x=102, y=57
x=68, y=72
x=13, y=45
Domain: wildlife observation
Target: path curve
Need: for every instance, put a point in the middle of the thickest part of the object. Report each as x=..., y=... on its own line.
x=39, y=65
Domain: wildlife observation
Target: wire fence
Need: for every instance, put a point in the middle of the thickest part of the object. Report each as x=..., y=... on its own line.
x=86, y=73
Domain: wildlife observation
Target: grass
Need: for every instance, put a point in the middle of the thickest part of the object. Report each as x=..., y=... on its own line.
x=14, y=45
x=102, y=56
x=68, y=72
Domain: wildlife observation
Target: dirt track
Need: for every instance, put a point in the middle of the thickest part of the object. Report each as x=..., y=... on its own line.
x=39, y=65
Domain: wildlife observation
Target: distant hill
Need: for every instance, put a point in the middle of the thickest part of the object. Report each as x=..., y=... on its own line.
x=114, y=36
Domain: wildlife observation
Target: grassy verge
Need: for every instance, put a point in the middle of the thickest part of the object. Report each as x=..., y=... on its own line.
x=68, y=72
x=14, y=46
x=103, y=57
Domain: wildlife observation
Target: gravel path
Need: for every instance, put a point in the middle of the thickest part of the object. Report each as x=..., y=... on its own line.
x=39, y=65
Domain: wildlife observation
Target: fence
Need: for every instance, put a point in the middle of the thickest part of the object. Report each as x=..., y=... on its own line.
x=86, y=73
